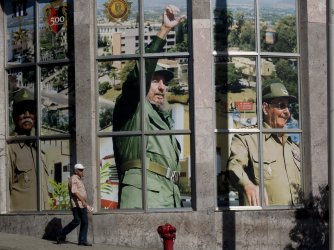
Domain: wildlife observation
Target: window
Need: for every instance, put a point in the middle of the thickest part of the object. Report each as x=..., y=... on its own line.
x=40, y=87
x=257, y=101
x=144, y=106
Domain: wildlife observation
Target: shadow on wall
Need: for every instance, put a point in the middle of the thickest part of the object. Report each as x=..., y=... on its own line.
x=312, y=223
x=51, y=229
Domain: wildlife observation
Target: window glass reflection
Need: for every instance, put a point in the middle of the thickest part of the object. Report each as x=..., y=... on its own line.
x=235, y=90
x=169, y=173
x=127, y=156
x=167, y=93
x=177, y=38
x=57, y=158
x=54, y=35
x=282, y=168
x=109, y=179
x=22, y=102
x=280, y=83
x=278, y=26
x=57, y=96
x=20, y=32
x=23, y=180
x=119, y=95
x=117, y=27
x=240, y=184
x=234, y=25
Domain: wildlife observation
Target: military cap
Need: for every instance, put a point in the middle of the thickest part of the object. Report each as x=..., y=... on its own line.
x=23, y=95
x=275, y=90
x=167, y=74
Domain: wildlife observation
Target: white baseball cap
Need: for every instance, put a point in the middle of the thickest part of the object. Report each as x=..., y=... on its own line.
x=79, y=166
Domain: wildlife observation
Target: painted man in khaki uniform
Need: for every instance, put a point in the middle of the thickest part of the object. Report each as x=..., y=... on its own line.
x=281, y=156
x=162, y=151
x=22, y=157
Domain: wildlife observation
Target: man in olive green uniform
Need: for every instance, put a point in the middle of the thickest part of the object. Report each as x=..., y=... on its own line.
x=281, y=156
x=22, y=157
x=162, y=151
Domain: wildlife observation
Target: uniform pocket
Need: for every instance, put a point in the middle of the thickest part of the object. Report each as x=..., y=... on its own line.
x=25, y=179
x=268, y=165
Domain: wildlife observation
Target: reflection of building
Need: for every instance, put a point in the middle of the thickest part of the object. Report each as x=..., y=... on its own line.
x=248, y=67
x=124, y=37
x=270, y=36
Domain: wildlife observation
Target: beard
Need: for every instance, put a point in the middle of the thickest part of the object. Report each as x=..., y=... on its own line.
x=161, y=105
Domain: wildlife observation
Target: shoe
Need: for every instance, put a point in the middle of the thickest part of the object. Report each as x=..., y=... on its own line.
x=85, y=244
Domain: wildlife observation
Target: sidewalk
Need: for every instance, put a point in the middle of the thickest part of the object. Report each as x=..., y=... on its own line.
x=23, y=242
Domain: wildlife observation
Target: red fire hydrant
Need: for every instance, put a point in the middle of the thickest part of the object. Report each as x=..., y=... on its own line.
x=167, y=233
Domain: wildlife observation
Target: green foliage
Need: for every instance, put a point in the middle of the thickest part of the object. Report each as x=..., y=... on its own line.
x=105, y=187
x=106, y=116
x=104, y=87
x=59, y=199
x=286, y=34
x=227, y=75
x=128, y=67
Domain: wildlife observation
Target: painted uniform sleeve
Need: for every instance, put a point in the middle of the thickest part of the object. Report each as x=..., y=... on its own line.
x=237, y=162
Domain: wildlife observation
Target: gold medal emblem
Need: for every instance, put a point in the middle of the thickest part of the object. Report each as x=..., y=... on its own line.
x=117, y=10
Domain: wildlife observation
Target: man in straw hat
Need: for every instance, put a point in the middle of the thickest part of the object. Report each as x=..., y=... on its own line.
x=78, y=199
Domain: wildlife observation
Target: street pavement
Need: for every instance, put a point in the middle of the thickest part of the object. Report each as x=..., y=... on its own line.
x=23, y=242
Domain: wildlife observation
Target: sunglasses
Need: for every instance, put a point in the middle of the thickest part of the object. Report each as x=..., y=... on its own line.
x=281, y=105
x=18, y=110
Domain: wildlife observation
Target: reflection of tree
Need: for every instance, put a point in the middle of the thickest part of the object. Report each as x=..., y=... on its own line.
x=106, y=116
x=286, y=35
x=128, y=67
x=311, y=229
x=222, y=27
x=181, y=40
x=104, y=87
x=227, y=75
x=113, y=74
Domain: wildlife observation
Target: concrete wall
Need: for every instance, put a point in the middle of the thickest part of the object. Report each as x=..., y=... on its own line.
x=205, y=228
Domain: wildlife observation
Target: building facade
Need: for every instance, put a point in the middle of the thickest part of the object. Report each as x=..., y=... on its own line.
x=75, y=56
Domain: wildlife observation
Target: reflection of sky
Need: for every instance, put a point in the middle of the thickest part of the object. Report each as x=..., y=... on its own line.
x=264, y=3
x=149, y=6
x=154, y=4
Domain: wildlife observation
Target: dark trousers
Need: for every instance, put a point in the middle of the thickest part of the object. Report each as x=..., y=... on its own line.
x=79, y=218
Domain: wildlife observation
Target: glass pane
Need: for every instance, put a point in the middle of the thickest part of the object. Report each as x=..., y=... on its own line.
x=169, y=171
x=119, y=96
x=282, y=168
x=126, y=153
x=239, y=185
x=167, y=105
x=20, y=32
x=22, y=102
x=278, y=26
x=56, y=159
x=234, y=25
x=117, y=27
x=55, y=30
x=109, y=181
x=57, y=96
x=22, y=176
x=177, y=37
x=235, y=85
x=280, y=92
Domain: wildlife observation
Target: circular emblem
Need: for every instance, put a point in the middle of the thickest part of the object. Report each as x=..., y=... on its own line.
x=118, y=9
